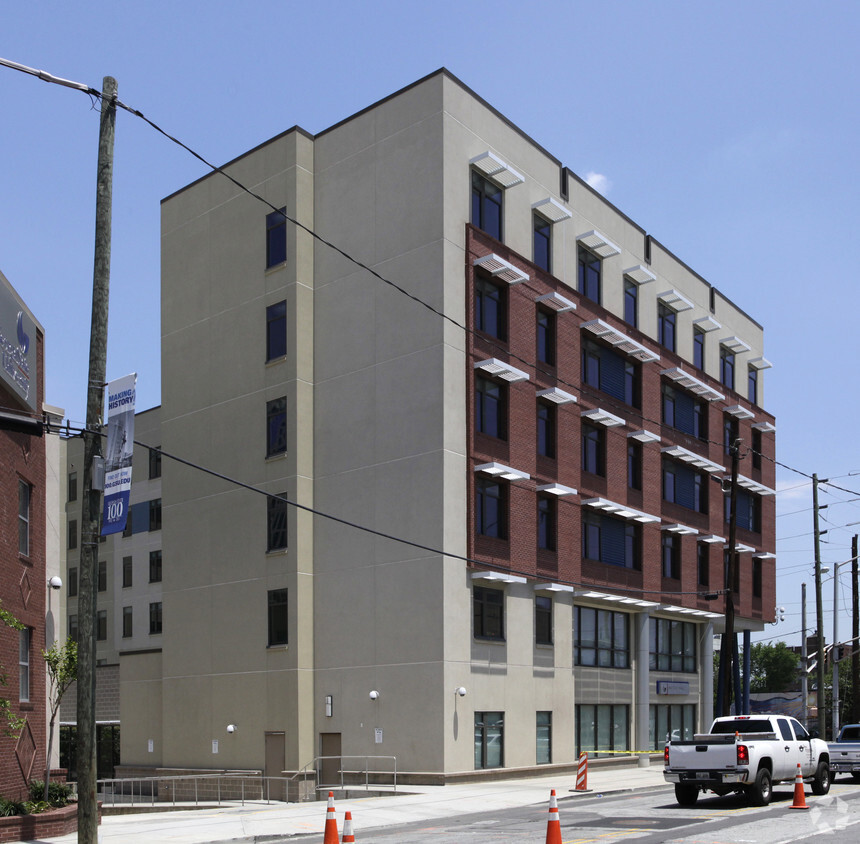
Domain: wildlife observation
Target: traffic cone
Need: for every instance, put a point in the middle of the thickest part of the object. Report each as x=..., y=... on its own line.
x=799, y=796
x=582, y=773
x=347, y=829
x=553, y=825
x=330, y=822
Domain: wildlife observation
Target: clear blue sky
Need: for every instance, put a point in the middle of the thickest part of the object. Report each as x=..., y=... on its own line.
x=729, y=131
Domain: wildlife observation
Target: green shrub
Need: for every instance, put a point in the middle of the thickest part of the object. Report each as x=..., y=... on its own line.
x=36, y=807
x=59, y=793
x=8, y=808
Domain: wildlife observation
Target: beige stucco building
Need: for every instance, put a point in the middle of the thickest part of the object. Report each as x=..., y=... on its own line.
x=297, y=372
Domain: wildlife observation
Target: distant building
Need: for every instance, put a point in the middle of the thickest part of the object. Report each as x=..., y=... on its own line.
x=29, y=472
x=545, y=427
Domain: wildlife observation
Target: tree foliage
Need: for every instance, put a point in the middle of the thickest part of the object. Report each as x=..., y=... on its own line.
x=773, y=667
x=62, y=665
x=10, y=723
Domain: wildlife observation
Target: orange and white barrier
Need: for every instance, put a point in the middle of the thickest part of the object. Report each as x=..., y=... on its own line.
x=799, y=796
x=330, y=822
x=553, y=824
x=582, y=772
x=348, y=837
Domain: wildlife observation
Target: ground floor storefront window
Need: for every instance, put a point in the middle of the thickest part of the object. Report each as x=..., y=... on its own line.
x=107, y=750
x=602, y=727
x=670, y=722
x=489, y=740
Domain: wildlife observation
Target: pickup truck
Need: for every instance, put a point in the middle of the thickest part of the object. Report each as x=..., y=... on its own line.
x=845, y=752
x=748, y=754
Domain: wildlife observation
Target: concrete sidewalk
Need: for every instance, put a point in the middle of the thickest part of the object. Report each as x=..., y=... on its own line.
x=254, y=824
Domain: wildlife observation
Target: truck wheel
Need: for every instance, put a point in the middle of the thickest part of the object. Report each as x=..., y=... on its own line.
x=686, y=795
x=759, y=793
x=855, y=776
x=821, y=780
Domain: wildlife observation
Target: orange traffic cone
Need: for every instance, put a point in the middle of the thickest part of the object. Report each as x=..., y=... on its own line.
x=582, y=772
x=799, y=797
x=347, y=829
x=330, y=822
x=553, y=825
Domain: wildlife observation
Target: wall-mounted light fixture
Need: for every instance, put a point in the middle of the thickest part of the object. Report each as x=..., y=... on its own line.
x=460, y=691
x=328, y=706
x=374, y=695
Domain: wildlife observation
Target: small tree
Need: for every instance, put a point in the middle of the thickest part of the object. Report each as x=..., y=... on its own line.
x=10, y=723
x=62, y=663
x=773, y=667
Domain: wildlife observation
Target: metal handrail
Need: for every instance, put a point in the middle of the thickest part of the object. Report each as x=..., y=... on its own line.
x=317, y=771
x=125, y=787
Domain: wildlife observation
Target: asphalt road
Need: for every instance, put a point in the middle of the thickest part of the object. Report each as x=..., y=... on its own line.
x=648, y=817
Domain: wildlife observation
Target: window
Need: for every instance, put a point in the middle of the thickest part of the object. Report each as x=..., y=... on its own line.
x=542, y=242
x=756, y=448
x=155, y=463
x=155, y=566
x=671, y=556
x=489, y=740
x=593, y=449
x=547, y=513
x=491, y=409
x=155, y=618
x=24, y=637
x=155, y=514
x=600, y=637
x=488, y=613
x=127, y=624
x=276, y=331
x=588, y=276
x=101, y=625
x=698, y=348
x=684, y=412
x=666, y=326
x=756, y=577
x=631, y=303
x=727, y=367
x=129, y=529
x=543, y=620
x=102, y=576
x=490, y=312
x=491, y=509
x=73, y=582
x=546, y=337
x=634, y=464
x=611, y=373
x=276, y=533
x=546, y=418
x=23, y=518
x=276, y=238
x=602, y=727
x=277, y=617
x=543, y=738
x=73, y=486
x=126, y=572
x=752, y=384
x=730, y=433
x=73, y=534
x=486, y=206
x=703, y=565
x=672, y=645
x=749, y=510
x=73, y=627
x=685, y=486
x=276, y=426
x=611, y=541
x=671, y=722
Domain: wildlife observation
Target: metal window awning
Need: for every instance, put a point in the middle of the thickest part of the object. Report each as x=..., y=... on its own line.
x=640, y=274
x=557, y=489
x=552, y=210
x=735, y=344
x=497, y=577
x=760, y=363
x=681, y=530
x=556, y=395
x=674, y=300
x=764, y=555
x=670, y=609
x=613, y=508
x=552, y=587
x=713, y=539
x=706, y=323
x=602, y=417
x=739, y=412
x=619, y=340
x=598, y=243
x=499, y=470
x=694, y=385
x=556, y=301
x=765, y=427
x=753, y=486
x=493, y=166
x=685, y=456
x=644, y=436
x=501, y=269
x=607, y=598
x=494, y=366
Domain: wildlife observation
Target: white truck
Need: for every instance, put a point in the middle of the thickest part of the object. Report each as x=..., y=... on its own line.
x=845, y=752
x=746, y=753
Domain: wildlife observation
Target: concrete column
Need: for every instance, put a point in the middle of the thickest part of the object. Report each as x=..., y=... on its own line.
x=643, y=684
x=706, y=661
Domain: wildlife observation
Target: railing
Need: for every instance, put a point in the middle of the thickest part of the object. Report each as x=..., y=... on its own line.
x=193, y=788
x=350, y=778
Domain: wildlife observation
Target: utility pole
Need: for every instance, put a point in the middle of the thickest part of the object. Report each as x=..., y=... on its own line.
x=804, y=678
x=91, y=501
x=819, y=615
x=855, y=635
x=727, y=641
x=835, y=650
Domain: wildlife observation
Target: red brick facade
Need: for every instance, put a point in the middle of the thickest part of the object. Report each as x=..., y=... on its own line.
x=23, y=589
x=519, y=551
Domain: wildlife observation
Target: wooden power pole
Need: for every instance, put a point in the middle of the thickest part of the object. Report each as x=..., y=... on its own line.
x=855, y=636
x=91, y=502
x=819, y=617
x=727, y=641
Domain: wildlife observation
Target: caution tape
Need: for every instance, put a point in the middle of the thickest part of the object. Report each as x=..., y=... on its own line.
x=620, y=752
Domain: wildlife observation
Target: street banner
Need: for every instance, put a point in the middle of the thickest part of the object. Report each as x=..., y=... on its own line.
x=120, y=450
